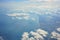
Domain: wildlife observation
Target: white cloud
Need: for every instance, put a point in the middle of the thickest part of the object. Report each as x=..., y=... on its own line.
x=58, y=29
x=55, y=34
x=34, y=35
x=42, y=32
x=25, y=36
x=17, y=18
x=19, y=15
x=32, y=38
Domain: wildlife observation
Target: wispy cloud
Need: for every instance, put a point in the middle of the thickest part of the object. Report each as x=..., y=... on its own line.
x=20, y=16
x=43, y=0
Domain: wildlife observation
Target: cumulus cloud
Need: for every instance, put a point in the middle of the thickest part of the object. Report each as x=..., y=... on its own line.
x=25, y=36
x=55, y=34
x=39, y=34
x=36, y=35
x=42, y=32
x=58, y=29
x=32, y=38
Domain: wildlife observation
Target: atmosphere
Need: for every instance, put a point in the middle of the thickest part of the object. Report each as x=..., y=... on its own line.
x=29, y=19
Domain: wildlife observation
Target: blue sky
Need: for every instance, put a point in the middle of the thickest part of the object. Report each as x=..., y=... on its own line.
x=18, y=16
x=10, y=0
x=26, y=0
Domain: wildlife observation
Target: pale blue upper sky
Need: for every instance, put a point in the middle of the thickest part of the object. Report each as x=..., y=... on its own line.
x=26, y=0
x=10, y=0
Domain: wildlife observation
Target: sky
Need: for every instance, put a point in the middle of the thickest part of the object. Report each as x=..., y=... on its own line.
x=22, y=18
